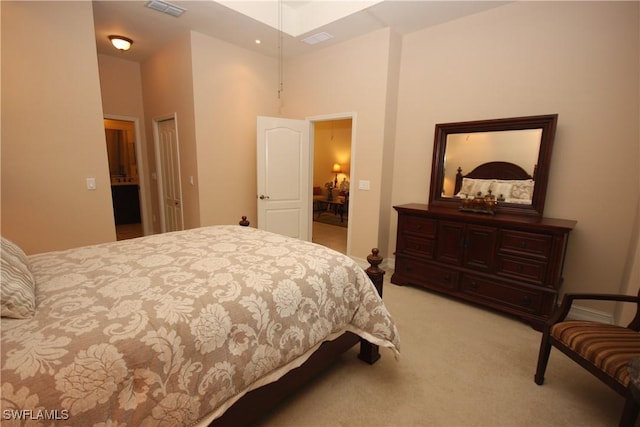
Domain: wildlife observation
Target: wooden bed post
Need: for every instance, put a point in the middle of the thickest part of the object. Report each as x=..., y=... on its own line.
x=375, y=273
x=370, y=353
x=458, y=184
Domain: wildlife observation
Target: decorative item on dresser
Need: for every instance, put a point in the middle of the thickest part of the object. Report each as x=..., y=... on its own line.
x=512, y=260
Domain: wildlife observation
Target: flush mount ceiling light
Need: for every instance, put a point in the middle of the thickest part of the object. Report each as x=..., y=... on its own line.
x=120, y=42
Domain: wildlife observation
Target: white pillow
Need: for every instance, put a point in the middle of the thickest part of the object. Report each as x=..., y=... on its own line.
x=465, y=188
x=519, y=201
x=522, y=189
x=471, y=187
x=17, y=285
x=501, y=188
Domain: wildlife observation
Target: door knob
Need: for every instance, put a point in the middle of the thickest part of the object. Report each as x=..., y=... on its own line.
x=262, y=197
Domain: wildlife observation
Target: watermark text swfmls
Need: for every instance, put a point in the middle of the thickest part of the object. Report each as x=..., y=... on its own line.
x=39, y=414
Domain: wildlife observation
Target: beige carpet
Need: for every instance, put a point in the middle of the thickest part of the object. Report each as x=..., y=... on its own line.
x=460, y=365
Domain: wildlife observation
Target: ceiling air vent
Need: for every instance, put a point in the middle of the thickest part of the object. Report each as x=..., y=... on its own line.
x=164, y=7
x=317, y=38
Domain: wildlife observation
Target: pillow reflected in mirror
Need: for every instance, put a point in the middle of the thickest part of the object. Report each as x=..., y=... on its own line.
x=506, y=191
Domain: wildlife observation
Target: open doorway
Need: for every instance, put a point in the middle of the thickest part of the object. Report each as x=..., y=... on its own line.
x=331, y=182
x=124, y=171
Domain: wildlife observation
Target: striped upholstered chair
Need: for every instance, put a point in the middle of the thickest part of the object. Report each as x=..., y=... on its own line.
x=605, y=350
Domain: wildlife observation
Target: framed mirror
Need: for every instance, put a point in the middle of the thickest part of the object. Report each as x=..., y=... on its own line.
x=509, y=157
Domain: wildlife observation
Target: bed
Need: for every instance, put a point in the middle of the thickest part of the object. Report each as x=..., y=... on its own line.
x=508, y=182
x=210, y=326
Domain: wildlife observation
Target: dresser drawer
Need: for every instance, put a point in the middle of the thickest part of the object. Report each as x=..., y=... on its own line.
x=522, y=268
x=421, y=274
x=419, y=226
x=525, y=243
x=418, y=246
x=499, y=261
x=502, y=294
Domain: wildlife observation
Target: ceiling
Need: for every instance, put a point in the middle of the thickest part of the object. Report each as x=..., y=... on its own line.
x=151, y=29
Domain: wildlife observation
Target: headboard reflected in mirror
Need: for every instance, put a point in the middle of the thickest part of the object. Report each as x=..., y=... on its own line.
x=508, y=156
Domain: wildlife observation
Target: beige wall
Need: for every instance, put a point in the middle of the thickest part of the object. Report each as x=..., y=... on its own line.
x=52, y=131
x=580, y=60
x=350, y=77
x=167, y=89
x=232, y=87
x=121, y=86
x=121, y=89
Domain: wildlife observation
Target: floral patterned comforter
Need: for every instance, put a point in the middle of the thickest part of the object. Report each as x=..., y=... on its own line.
x=171, y=328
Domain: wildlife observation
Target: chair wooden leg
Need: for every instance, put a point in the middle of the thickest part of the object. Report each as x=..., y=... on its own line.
x=630, y=411
x=543, y=358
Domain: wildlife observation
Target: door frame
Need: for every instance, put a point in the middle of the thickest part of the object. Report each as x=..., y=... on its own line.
x=159, y=171
x=352, y=165
x=141, y=165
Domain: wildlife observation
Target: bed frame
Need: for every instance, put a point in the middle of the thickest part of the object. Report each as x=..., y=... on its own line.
x=258, y=403
x=493, y=170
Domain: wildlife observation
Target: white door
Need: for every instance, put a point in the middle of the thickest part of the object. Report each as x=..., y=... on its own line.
x=169, y=184
x=284, y=185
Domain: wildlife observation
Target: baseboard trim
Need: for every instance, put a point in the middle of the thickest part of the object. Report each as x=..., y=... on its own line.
x=389, y=264
x=583, y=313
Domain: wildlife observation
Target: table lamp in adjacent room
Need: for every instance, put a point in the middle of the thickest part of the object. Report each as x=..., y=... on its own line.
x=336, y=169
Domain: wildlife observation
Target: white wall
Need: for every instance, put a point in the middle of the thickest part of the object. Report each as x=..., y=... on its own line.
x=577, y=59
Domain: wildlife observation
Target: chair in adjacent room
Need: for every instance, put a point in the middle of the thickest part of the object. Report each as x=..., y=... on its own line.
x=605, y=350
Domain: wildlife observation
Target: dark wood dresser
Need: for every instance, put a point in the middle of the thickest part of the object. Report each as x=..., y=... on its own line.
x=510, y=263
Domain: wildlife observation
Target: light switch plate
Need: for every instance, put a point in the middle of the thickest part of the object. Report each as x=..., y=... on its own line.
x=91, y=183
x=364, y=185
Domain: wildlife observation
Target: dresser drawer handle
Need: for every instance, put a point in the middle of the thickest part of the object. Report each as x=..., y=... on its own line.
x=408, y=268
x=523, y=244
x=447, y=278
x=473, y=285
x=526, y=301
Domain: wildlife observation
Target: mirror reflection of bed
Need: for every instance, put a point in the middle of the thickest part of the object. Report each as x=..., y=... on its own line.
x=515, y=149
x=507, y=182
x=507, y=155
